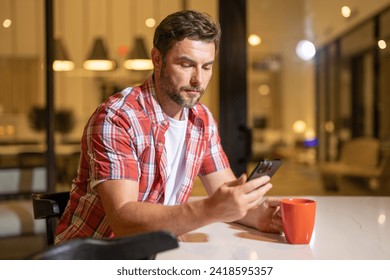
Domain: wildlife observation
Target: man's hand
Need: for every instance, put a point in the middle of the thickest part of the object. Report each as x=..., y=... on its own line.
x=232, y=201
x=268, y=216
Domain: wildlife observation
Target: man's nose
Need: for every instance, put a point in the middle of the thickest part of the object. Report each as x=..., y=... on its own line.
x=196, y=78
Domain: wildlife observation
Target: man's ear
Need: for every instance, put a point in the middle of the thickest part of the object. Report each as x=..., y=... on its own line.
x=156, y=59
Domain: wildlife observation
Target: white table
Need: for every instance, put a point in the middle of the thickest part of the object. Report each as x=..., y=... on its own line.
x=347, y=228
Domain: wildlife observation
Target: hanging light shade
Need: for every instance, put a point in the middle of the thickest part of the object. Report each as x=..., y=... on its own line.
x=98, y=59
x=61, y=58
x=138, y=58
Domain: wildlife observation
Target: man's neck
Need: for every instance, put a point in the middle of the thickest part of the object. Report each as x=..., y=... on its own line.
x=169, y=107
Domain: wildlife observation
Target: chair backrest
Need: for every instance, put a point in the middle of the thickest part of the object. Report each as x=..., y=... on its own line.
x=50, y=206
x=20, y=183
x=136, y=247
x=362, y=151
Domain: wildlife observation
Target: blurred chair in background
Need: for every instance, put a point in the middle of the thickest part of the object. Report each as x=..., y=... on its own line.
x=360, y=159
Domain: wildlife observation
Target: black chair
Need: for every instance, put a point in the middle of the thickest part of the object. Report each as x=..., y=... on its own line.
x=137, y=247
x=50, y=206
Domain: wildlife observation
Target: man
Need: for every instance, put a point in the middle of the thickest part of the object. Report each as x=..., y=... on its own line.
x=143, y=148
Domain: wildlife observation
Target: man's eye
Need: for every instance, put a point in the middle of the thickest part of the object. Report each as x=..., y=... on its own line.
x=185, y=65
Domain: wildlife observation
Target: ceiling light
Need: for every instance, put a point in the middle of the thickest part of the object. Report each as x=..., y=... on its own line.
x=98, y=59
x=263, y=89
x=61, y=58
x=299, y=126
x=305, y=50
x=7, y=23
x=150, y=22
x=346, y=11
x=382, y=44
x=254, y=40
x=138, y=59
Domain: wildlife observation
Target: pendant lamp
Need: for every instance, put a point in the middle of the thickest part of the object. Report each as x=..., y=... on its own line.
x=61, y=58
x=138, y=58
x=98, y=59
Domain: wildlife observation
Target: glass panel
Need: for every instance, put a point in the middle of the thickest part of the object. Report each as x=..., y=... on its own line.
x=358, y=40
x=384, y=84
x=385, y=25
x=356, y=82
x=278, y=81
x=22, y=128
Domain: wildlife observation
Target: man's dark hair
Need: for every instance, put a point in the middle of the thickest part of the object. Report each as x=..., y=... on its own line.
x=184, y=24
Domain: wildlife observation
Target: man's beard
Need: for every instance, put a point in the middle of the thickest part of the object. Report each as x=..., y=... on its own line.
x=168, y=88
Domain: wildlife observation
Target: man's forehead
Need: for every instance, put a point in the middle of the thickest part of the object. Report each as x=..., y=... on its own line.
x=193, y=49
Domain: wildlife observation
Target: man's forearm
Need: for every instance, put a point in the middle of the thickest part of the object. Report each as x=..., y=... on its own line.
x=136, y=217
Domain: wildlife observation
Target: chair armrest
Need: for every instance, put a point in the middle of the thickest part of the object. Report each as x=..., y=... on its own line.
x=135, y=247
x=49, y=205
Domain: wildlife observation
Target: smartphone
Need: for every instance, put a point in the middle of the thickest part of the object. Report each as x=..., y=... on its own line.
x=265, y=167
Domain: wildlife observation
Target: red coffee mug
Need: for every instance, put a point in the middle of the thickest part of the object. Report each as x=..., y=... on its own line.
x=298, y=218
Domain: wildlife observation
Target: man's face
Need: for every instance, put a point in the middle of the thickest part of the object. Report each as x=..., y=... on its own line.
x=186, y=71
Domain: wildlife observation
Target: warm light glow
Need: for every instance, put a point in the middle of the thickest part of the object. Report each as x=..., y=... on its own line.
x=122, y=50
x=7, y=23
x=346, y=11
x=7, y=130
x=253, y=255
x=254, y=40
x=138, y=64
x=381, y=219
x=310, y=134
x=329, y=127
x=99, y=65
x=10, y=129
x=63, y=65
x=382, y=44
x=263, y=90
x=299, y=126
x=150, y=22
x=305, y=50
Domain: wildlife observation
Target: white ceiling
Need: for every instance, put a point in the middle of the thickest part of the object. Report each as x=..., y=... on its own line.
x=316, y=20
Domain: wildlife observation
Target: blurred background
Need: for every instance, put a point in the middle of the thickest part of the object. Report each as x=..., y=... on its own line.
x=301, y=80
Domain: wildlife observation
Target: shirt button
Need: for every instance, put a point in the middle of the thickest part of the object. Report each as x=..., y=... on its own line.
x=159, y=144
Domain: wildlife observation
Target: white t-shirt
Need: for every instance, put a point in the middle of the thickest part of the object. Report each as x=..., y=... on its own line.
x=175, y=150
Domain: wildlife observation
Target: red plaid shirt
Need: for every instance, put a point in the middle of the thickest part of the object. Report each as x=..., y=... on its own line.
x=124, y=139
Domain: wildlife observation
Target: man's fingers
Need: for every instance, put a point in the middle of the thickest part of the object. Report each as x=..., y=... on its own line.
x=256, y=197
x=239, y=181
x=256, y=184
